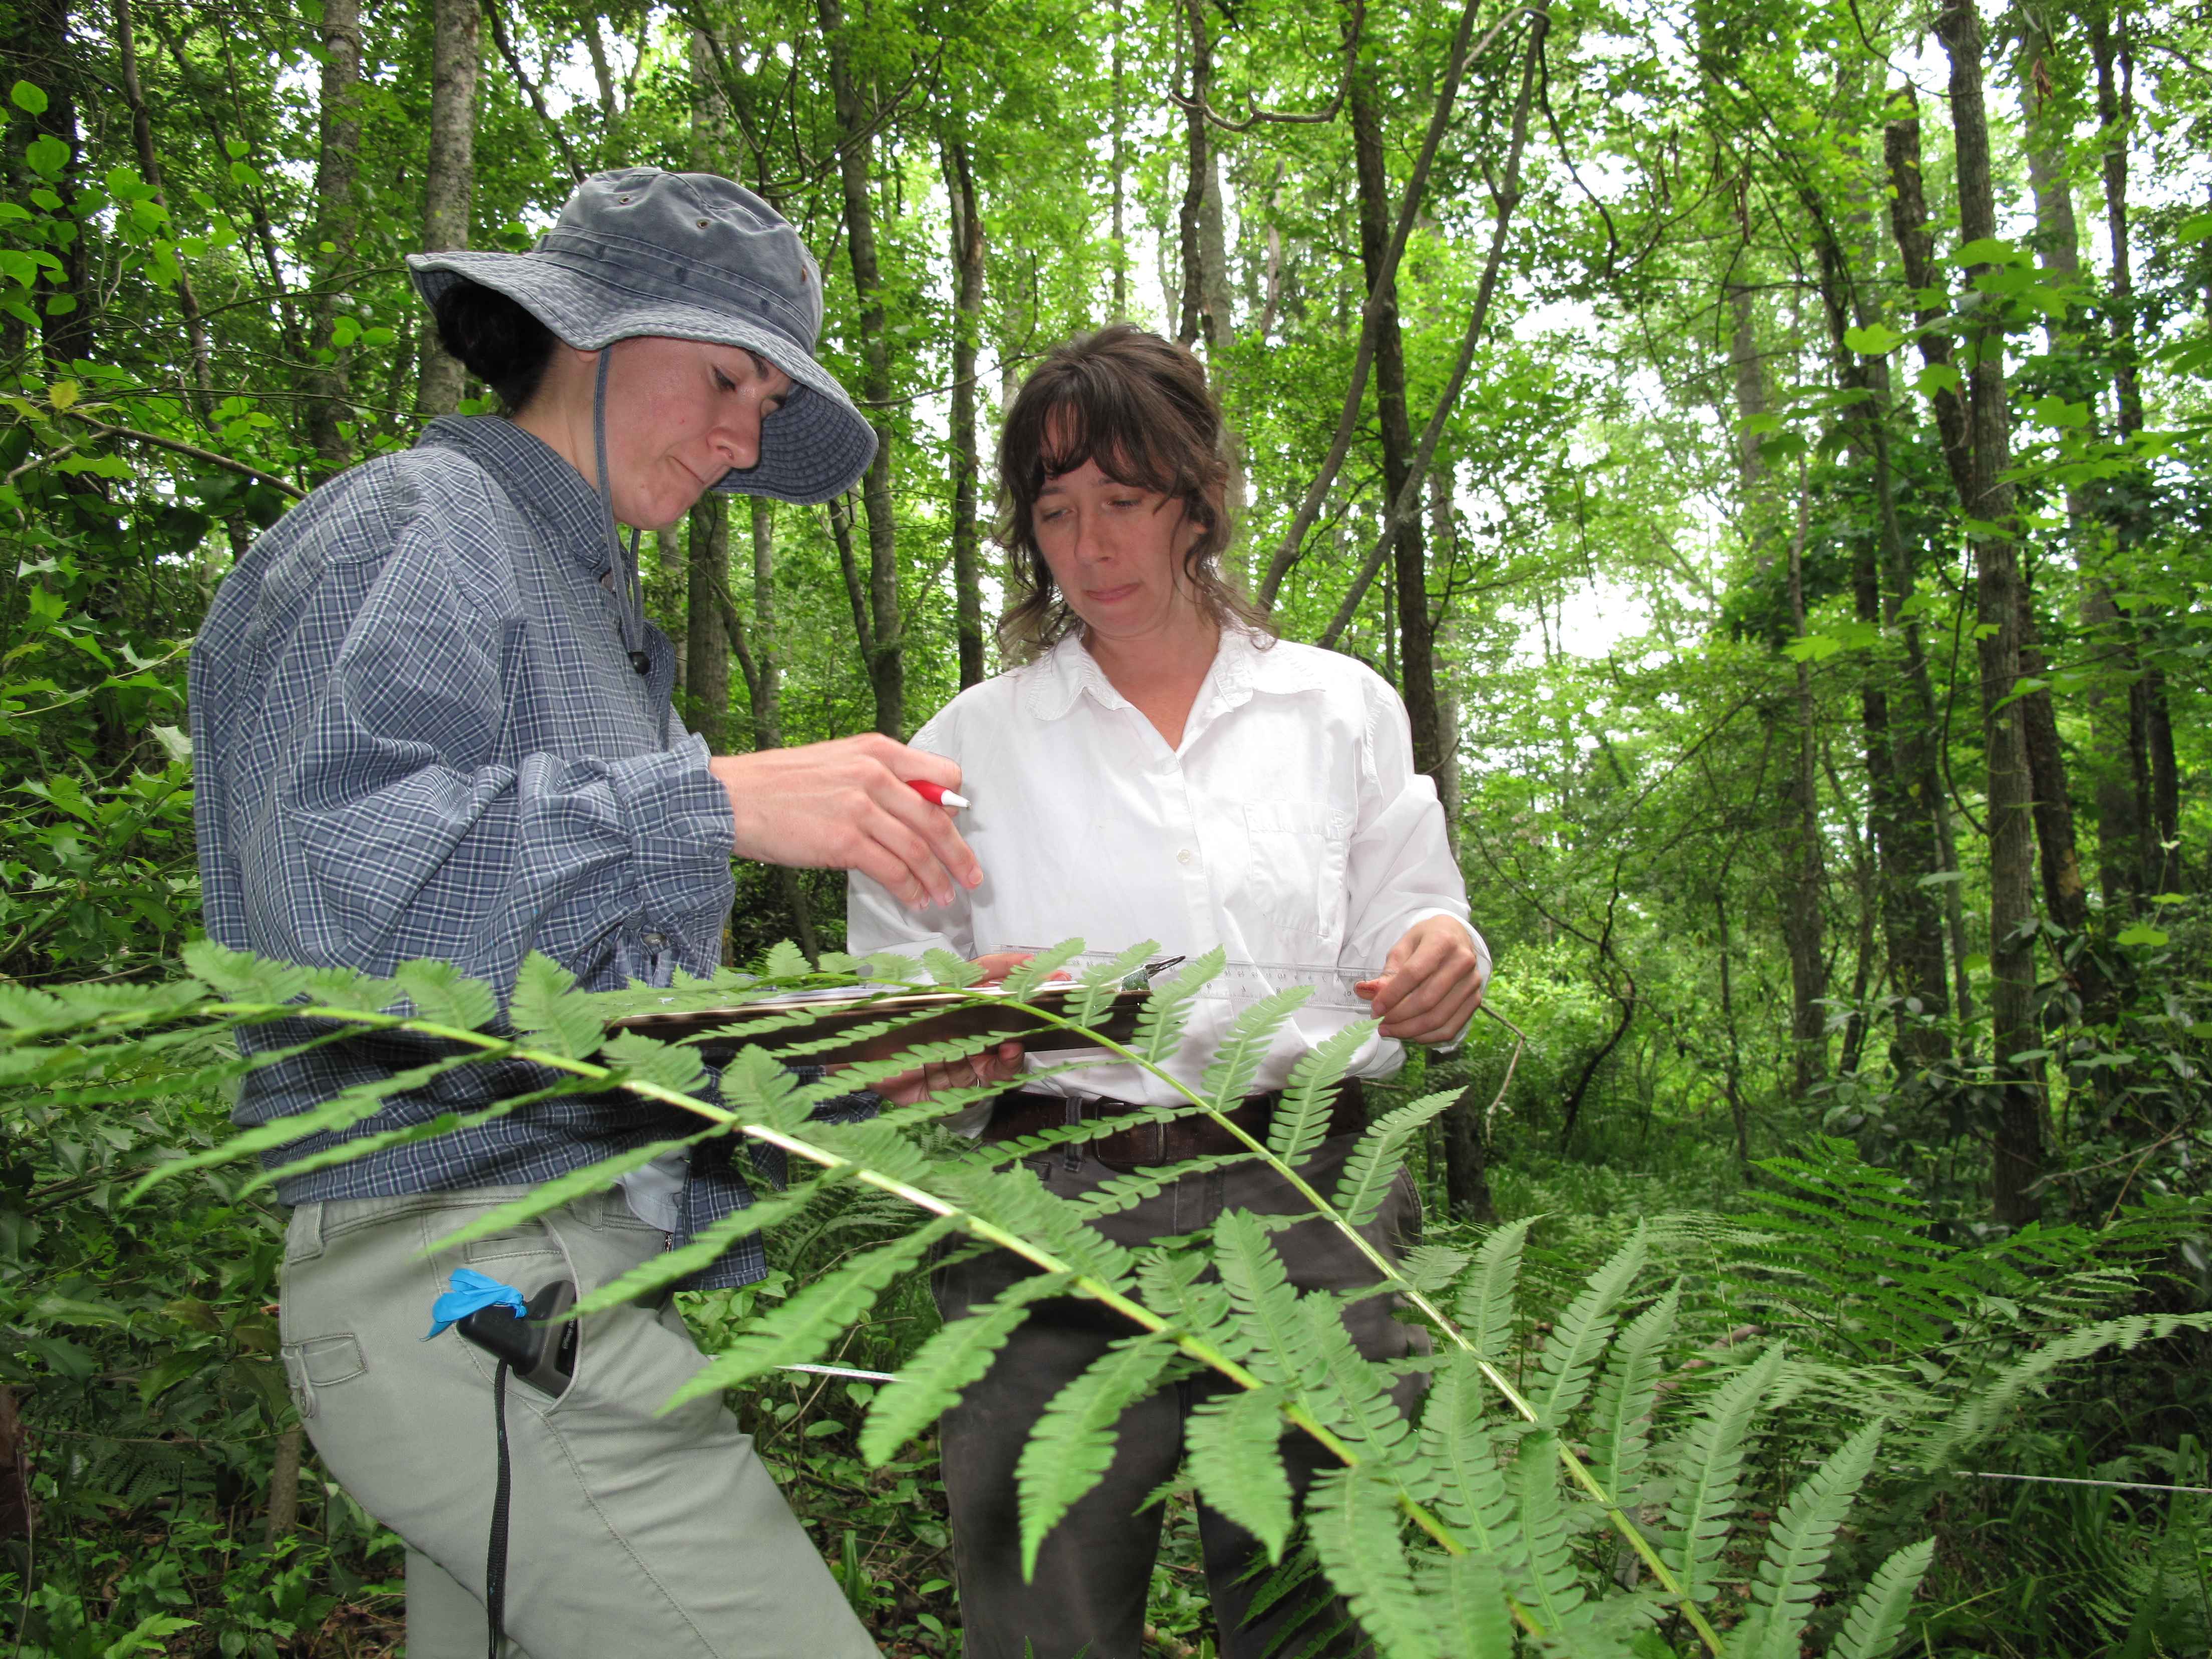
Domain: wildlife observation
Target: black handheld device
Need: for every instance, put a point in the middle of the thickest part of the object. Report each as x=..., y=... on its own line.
x=536, y=1351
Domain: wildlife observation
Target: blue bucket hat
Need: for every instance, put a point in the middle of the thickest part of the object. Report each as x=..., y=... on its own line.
x=694, y=257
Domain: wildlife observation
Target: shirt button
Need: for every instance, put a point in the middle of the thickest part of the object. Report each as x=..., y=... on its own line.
x=1185, y=856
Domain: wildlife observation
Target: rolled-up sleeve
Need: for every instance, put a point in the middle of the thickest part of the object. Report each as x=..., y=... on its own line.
x=1400, y=868
x=396, y=831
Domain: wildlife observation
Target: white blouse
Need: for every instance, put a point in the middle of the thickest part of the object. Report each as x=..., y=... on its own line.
x=1289, y=828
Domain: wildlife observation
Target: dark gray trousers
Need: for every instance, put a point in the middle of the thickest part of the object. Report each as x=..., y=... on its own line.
x=1087, y=1601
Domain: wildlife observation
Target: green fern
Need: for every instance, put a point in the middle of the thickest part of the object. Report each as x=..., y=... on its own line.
x=943, y=1367
x=1468, y=1612
x=1546, y=1578
x=1381, y=1153
x=1300, y=1122
x=1069, y=1450
x=1101, y=984
x=1234, y=1444
x=1484, y=1311
x=1026, y=978
x=1797, y=1547
x=1272, y=1333
x=1457, y=1462
x=1709, y=1471
x=1620, y=1433
x=1229, y=1075
x=1877, y=1614
x=1579, y=1334
x=1352, y=1518
x=1160, y=1022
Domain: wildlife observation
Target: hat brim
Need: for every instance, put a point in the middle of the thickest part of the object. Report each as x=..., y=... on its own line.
x=813, y=449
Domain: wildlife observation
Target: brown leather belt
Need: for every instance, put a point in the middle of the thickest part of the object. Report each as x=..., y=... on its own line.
x=1147, y=1146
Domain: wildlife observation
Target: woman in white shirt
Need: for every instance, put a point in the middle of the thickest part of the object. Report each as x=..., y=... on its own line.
x=1163, y=768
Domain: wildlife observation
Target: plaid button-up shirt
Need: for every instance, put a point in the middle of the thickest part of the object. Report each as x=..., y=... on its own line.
x=416, y=733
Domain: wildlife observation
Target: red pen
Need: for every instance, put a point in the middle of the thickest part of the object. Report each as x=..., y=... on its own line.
x=936, y=793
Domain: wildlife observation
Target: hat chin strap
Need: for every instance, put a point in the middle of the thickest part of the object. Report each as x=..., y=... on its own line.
x=626, y=571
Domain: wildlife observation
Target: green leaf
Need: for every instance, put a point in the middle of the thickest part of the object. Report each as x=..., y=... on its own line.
x=1233, y=1442
x=785, y=961
x=1024, y=980
x=47, y=156
x=1485, y=1310
x=1161, y=1020
x=1466, y=1595
x=2141, y=933
x=656, y=1273
x=1271, y=1332
x=235, y=977
x=1580, y=1333
x=796, y=1331
x=1875, y=340
x=942, y=1368
x=443, y=995
x=547, y=1005
x=1989, y=250
x=1877, y=1614
x=1352, y=1516
x=1069, y=1450
x=1797, y=1549
x=1620, y=1431
x=1229, y=1075
x=561, y=1189
x=25, y=96
x=648, y=1060
x=1708, y=1473
x=1938, y=377
x=1547, y=1578
x=1468, y=1487
x=1300, y=1122
x=2056, y=411
x=1381, y=1153
x=1103, y=982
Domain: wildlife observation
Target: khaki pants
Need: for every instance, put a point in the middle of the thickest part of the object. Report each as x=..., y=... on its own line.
x=1087, y=1601
x=631, y=1533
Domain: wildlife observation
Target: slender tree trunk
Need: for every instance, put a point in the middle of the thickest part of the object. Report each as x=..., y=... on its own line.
x=763, y=668
x=1750, y=376
x=1804, y=873
x=331, y=257
x=967, y=254
x=1119, y=122
x=456, y=50
x=1409, y=561
x=283, y=1518
x=706, y=638
x=38, y=50
x=2017, y=1163
x=856, y=151
x=1732, y=1070
x=1196, y=322
x=150, y=165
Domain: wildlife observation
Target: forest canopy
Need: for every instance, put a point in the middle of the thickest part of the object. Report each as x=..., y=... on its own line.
x=1765, y=447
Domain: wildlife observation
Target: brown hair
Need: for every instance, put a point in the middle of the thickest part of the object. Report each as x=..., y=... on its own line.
x=1139, y=406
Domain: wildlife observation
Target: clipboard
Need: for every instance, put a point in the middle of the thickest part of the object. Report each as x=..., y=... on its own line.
x=719, y=1033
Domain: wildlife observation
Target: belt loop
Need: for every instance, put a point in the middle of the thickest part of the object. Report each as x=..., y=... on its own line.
x=1071, y=1154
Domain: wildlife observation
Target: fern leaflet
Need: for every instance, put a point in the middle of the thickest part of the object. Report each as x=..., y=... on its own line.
x=1353, y=1522
x=956, y=1355
x=1485, y=1308
x=1547, y=1580
x=1620, y=1436
x=1161, y=1020
x=1228, y=1077
x=1580, y=1333
x=1878, y=1612
x=1467, y=1594
x=1711, y=1470
x=1381, y=1153
x=1797, y=1548
x=1072, y=1443
x=1457, y=1460
x=1233, y=1444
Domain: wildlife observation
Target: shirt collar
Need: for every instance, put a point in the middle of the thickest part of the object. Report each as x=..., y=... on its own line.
x=1241, y=665
x=537, y=478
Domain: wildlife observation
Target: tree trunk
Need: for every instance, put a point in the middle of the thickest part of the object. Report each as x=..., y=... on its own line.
x=39, y=50
x=1119, y=122
x=967, y=325
x=764, y=681
x=2017, y=1162
x=1750, y=376
x=1409, y=561
x=1467, y=1164
x=856, y=150
x=1196, y=322
x=455, y=54
x=705, y=639
x=283, y=1518
x=331, y=257
x=1804, y=873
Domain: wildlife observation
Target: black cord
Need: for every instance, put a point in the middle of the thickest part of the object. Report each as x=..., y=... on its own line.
x=495, y=1555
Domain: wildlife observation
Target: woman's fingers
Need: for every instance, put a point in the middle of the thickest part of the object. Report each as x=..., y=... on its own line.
x=1431, y=986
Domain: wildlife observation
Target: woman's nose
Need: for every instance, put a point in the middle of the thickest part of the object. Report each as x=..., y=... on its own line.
x=737, y=438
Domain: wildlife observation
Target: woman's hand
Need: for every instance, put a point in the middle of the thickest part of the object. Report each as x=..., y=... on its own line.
x=847, y=806
x=1431, y=986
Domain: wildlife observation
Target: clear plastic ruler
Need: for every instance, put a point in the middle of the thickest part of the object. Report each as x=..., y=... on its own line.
x=1240, y=982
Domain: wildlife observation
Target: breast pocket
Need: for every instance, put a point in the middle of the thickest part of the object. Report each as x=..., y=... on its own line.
x=1297, y=859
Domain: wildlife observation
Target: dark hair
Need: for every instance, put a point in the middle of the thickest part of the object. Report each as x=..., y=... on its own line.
x=496, y=339
x=1139, y=406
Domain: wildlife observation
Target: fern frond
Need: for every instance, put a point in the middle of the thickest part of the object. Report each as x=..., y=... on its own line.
x=796, y=1331
x=1974, y=1419
x=1342, y=1388
x=1797, y=1547
x=1484, y=1311
x=1301, y=1120
x=1233, y=1443
x=1229, y=1075
x=948, y=970
x=444, y=995
x=1016, y=1203
x=1381, y=1153
x=1458, y=1462
x=445, y=1123
x=1709, y=1471
x=1134, y=1186
x=1878, y=1612
x=1069, y=1450
x=657, y=1273
x=1017, y=985
x=932, y=1381
x=1432, y=1266
x=1578, y=1336
x=546, y=1004
x=1271, y=1334
x=1352, y=1518
x=1620, y=1431
x=1177, y=1286
x=1165, y=1012
x=1466, y=1597
x=1102, y=983
x=1547, y=1580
